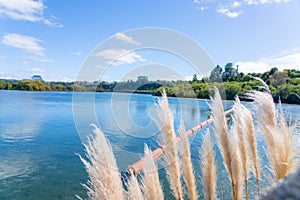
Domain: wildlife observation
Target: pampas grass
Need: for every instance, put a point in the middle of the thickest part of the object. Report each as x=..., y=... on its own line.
x=187, y=166
x=209, y=168
x=221, y=130
x=266, y=116
x=251, y=144
x=104, y=176
x=152, y=186
x=239, y=128
x=171, y=150
x=237, y=162
x=134, y=189
x=238, y=150
x=278, y=136
x=286, y=158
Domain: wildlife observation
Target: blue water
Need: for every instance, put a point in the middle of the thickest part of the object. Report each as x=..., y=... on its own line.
x=41, y=134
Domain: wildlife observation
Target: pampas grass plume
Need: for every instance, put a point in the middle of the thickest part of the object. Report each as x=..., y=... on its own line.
x=252, y=144
x=221, y=130
x=187, y=166
x=209, y=168
x=171, y=150
x=104, y=176
x=239, y=128
x=152, y=186
x=236, y=163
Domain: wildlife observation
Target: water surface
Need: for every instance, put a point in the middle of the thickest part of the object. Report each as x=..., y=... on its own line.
x=39, y=140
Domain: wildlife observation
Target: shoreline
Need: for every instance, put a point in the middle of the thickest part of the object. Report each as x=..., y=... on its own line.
x=139, y=93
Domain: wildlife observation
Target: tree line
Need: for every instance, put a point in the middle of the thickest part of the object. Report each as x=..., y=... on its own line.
x=284, y=85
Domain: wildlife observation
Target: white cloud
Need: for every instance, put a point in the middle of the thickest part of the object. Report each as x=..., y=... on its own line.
x=233, y=8
x=27, y=43
x=40, y=59
x=2, y=57
x=36, y=70
x=25, y=63
x=286, y=61
x=203, y=8
x=236, y=4
x=120, y=56
x=291, y=60
x=5, y=75
x=125, y=38
x=249, y=67
x=251, y=2
x=78, y=53
x=228, y=13
x=27, y=10
x=44, y=60
x=258, y=2
x=66, y=79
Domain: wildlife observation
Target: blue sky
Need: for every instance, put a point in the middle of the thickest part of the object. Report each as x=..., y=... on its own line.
x=54, y=37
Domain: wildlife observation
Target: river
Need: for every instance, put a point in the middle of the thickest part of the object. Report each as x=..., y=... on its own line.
x=41, y=135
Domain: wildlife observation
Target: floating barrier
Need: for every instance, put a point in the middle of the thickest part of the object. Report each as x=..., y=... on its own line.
x=157, y=153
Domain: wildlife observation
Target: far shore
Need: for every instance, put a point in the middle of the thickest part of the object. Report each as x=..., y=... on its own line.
x=142, y=93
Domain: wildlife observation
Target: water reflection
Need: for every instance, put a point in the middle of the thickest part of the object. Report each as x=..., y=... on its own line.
x=11, y=132
x=16, y=164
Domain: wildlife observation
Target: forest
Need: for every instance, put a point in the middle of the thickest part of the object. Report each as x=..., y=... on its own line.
x=284, y=85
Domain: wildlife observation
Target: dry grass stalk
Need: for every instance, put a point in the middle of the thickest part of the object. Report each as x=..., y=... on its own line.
x=264, y=107
x=187, y=166
x=237, y=162
x=251, y=144
x=286, y=157
x=209, y=168
x=277, y=134
x=152, y=186
x=104, y=176
x=171, y=150
x=240, y=129
x=134, y=190
x=221, y=130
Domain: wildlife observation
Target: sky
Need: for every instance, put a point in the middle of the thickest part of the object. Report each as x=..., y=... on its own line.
x=55, y=38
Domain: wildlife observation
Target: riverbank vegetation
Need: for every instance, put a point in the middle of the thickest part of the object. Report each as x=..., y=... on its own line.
x=284, y=85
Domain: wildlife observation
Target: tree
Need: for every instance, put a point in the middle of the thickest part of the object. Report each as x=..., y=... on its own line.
x=216, y=74
x=8, y=86
x=232, y=89
x=278, y=78
x=168, y=90
x=265, y=77
x=2, y=85
x=229, y=73
x=246, y=78
x=273, y=70
x=195, y=79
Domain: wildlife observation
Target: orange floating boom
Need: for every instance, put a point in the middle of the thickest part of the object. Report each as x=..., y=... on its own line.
x=136, y=167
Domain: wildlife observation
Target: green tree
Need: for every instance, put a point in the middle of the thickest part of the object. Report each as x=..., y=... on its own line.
x=195, y=79
x=232, y=89
x=216, y=74
x=2, y=84
x=287, y=93
x=9, y=86
x=168, y=90
x=273, y=70
x=230, y=73
x=246, y=78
